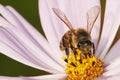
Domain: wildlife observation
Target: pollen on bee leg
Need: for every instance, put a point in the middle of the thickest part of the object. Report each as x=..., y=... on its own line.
x=79, y=67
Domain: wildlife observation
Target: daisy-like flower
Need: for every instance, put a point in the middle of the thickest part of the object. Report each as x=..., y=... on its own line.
x=21, y=42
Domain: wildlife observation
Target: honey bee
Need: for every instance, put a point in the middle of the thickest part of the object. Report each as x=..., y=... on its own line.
x=78, y=38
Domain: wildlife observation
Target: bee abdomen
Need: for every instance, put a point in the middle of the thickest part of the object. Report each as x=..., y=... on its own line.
x=66, y=40
x=62, y=48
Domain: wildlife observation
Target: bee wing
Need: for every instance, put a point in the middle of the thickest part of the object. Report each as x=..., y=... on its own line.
x=62, y=16
x=92, y=15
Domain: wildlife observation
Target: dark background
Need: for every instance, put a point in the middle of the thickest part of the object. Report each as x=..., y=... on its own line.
x=29, y=10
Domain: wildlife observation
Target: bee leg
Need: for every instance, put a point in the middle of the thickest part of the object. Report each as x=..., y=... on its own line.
x=73, y=49
x=93, y=48
x=67, y=52
x=75, y=52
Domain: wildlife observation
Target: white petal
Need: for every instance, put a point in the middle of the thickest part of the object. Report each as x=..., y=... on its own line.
x=101, y=78
x=79, y=10
x=112, y=61
x=17, y=20
x=40, y=41
x=115, y=77
x=12, y=48
x=45, y=77
x=32, y=50
x=95, y=32
x=112, y=72
x=113, y=64
x=48, y=25
x=113, y=53
x=110, y=27
x=51, y=77
x=113, y=68
x=11, y=78
x=28, y=45
x=74, y=10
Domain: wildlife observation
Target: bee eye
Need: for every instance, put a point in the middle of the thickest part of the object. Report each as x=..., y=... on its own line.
x=84, y=43
x=88, y=42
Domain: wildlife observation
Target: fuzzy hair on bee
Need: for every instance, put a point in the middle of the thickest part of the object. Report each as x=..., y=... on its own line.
x=78, y=38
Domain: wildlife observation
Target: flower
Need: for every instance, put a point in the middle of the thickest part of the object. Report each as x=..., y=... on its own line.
x=20, y=41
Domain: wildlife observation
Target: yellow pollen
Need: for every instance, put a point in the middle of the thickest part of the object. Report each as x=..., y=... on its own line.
x=82, y=67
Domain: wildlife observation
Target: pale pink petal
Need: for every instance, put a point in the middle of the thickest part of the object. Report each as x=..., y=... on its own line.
x=101, y=78
x=78, y=11
x=74, y=10
x=11, y=78
x=51, y=77
x=114, y=63
x=112, y=72
x=48, y=25
x=110, y=27
x=37, y=37
x=113, y=68
x=33, y=33
x=96, y=32
x=18, y=21
x=113, y=53
x=12, y=48
x=114, y=77
x=46, y=77
x=27, y=44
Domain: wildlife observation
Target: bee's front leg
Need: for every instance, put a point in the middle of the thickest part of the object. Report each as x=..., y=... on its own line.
x=67, y=52
x=73, y=49
x=93, y=48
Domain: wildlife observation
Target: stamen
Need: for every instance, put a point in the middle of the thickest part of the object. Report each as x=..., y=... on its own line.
x=83, y=67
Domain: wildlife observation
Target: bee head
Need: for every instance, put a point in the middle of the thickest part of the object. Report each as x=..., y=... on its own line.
x=83, y=38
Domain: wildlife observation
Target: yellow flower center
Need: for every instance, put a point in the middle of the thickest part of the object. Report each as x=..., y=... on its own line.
x=83, y=67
